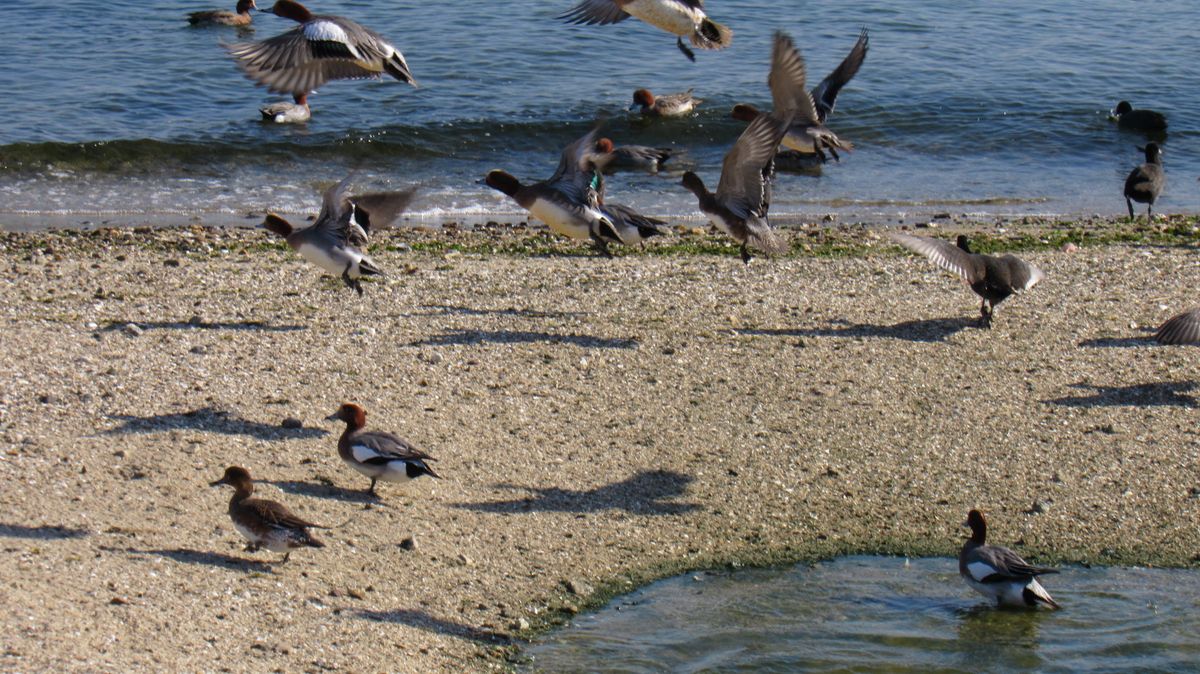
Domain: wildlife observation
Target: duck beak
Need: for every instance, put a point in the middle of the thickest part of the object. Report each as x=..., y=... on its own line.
x=634, y=106
x=218, y=483
x=333, y=417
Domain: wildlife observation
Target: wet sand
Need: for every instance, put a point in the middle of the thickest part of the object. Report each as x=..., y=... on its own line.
x=599, y=423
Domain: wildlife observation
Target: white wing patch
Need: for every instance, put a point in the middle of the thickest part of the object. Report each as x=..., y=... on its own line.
x=980, y=570
x=325, y=31
x=362, y=453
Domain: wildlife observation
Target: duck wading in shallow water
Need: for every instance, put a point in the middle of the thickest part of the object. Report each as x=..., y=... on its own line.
x=377, y=454
x=336, y=240
x=1144, y=183
x=320, y=49
x=684, y=18
x=808, y=133
x=265, y=524
x=992, y=278
x=999, y=573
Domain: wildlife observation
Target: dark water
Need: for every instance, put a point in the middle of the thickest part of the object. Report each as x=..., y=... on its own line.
x=120, y=110
x=885, y=614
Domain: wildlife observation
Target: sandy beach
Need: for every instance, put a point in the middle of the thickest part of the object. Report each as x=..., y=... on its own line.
x=598, y=424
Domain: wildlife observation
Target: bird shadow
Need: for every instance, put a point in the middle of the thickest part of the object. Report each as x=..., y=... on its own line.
x=448, y=309
x=466, y=337
x=45, y=532
x=1156, y=394
x=1117, y=342
x=212, y=420
x=644, y=493
x=926, y=330
x=424, y=621
x=203, y=325
x=206, y=558
x=323, y=490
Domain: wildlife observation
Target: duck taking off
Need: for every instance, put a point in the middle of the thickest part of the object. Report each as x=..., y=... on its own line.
x=684, y=18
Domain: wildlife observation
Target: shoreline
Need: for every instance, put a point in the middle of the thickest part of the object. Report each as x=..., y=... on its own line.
x=601, y=424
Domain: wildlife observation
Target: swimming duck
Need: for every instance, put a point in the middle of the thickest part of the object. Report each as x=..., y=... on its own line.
x=1145, y=182
x=999, y=573
x=670, y=105
x=639, y=157
x=377, y=454
x=808, y=133
x=287, y=113
x=334, y=242
x=224, y=17
x=266, y=524
x=992, y=278
x=1181, y=329
x=568, y=202
x=1138, y=120
x=677, y=17
x=320, y=49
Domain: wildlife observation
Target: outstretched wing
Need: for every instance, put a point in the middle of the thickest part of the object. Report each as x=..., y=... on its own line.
x=789, y=92
x=744, y=186
x=942, y=253
x=825, y=94
x=595, y=13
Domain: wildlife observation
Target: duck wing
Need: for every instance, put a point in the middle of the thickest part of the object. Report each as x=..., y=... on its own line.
x=595, y=13
x=292, y=62
x=825, y=94
x=276, y=514
x=1182, y=328
x=787, y=81
x=745, y=173
x=573, y=176
x=944, y=254
x=381, y=209
x=993, y=563
x=381, y=447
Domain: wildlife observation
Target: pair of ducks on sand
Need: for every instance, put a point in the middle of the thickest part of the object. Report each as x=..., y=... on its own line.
x=378, y=455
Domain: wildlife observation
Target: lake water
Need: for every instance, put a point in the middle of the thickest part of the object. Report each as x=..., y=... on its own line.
x=884, y=614
x=119, y=110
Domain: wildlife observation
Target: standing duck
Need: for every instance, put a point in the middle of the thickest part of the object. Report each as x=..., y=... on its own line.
x=320, y=49
x=335, y=241
x=999, y=573
x=992, y=278
x=266, y=524
x=677, y=17
x=377, y=454
x=1138, y=120
x=223, y=17
x=808, y=133
x=283, y=112
x=670, y=105
x=1144, y=183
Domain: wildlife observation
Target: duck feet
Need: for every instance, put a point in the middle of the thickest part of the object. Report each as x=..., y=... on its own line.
x=351, y=283
x=686, y=51
x=746, y=257
x=985, y=316
x=601, y=246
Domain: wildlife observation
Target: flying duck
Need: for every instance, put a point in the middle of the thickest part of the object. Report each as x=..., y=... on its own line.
x=670, y=105
x=1182, y=328
x=284, y=112
x=266, y=524
x=808, y=133
x=335, y=241
x=320, y=49
x=1138, y=120
x=992, y=278
x=377, y=454
x=636, y=157
x=999, y=573
x=224, y=17
x=1144, y=183
x=677, y=17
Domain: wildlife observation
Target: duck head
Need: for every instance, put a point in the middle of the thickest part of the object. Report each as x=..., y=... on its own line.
x=1122, y=108
x=744, y=112
x=978, y=526
x=693, y=183
x=290, y=9
x=244, y=6
x=503, y=181
x=237, y=477
x=354, y=415
x=642, y=97
x=277, y=225
x=1153, y=153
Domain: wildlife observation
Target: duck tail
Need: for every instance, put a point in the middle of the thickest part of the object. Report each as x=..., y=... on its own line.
x=428, y=471
x=711, y=35
x=1034, y=594
x=397, y=67
x=312, y=541
x=367, y=268
x=763, y=238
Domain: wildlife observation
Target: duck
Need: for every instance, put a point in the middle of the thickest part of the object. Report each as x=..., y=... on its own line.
x=670, y=105
x=808, y=133
x=992, y=278
x=635, y=157
x=568, y=201
x=335, y=241
x=1137, y=120
x=1144, y=183
x=320, y=49
x=223, y=17
x=999, y=573
x=740, y=204
x=378, y=454
x=283, y=112
x=1182, y=328
x=682, y=18
x=632, y=227
x=265, y=524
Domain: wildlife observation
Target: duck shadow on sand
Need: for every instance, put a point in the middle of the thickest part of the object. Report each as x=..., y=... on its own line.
x=926, y=330
x=321, y=489
x=448, y=309
x=1117, y=342
x=467, y=337
x=212, y=420
x=1171, y=394
x=424, y=621
x=203, y=325
x=208, y=558
x=644, y=493
x=43, y=533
